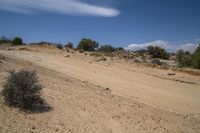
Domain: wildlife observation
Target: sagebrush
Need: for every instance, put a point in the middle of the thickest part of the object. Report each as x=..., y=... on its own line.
x=157, y=52
x=186, y=59
x=22, y=90
x=17, y=41
x=87, y=45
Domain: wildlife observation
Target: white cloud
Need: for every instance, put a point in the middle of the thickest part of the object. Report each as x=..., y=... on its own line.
x=197, y=39
x=72, y=7
x=135, y=47
x=189, y=47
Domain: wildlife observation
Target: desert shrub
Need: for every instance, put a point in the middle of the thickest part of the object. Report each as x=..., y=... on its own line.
x=156, y=61
x=59, y=46
x=41, y=43
x=196, y=58
x=142, y=51
x=119, y=48
x=22, y=90
x=184, y=59
x=157, y=52
x=4, y=40
x=96, y=54
x=196, y=61
x=17, y=41
x=69, y=45
x=106, y=48
x=87, y=45
x=102, y=54
x=81, y=51
x=1, y=58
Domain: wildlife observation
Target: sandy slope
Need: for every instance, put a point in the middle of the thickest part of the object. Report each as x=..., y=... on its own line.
x=149, y=86
x=72, y=88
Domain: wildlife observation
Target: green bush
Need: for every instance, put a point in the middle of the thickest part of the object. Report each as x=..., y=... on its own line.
x=106, y=48
x=17, y=41
x=4, y=40
x=184, y=58
x=69, y=45
x=81, y=51
x=157, y=52
x=196, y=58
x=119, y=48
x=41, y=43
x=87, y=45
x=196, y=61
x=59, y=46
x=22, y=90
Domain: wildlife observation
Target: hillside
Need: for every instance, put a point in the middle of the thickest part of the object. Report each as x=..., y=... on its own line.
x=90, y=95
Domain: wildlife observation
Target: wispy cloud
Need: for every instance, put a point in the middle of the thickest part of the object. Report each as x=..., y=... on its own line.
x=168, y=46
x=72, y=7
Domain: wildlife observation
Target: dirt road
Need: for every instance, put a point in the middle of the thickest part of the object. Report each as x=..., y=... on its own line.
x=123, y=79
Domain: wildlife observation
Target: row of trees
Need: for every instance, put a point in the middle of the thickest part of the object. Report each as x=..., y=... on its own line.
x=91, y=45
x=14, y=41
x=85, y=44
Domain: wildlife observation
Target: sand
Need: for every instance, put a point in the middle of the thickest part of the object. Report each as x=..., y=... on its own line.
x=139, y=98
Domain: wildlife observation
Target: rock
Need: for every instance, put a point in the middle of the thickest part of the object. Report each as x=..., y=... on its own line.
x=137, y=61
x=102, y=59
x=56, y=129
x=171, y=73
x=10, y=49
x=33, y=127
x=67, y=50
x=2, y=58
x=107, y=89
x=67, y=56
x=107, y=65
x=23, y=49
x=156, y=61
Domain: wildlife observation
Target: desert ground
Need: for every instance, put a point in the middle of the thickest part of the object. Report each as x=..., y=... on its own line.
x=88, y=95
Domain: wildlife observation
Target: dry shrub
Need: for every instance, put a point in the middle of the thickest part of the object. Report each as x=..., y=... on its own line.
x=22, y=90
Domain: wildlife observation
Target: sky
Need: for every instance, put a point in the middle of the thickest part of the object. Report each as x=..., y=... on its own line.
x=132, y=24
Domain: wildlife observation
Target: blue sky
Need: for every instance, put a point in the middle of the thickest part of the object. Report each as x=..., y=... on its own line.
x=133, y=24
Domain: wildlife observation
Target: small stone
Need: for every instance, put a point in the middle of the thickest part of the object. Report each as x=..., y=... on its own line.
x=33, y=127
x=102, y=59
x=107, y=89
x=171, y=73
x=67, y=56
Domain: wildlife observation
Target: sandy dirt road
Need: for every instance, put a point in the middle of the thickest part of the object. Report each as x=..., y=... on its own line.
x=125, y=80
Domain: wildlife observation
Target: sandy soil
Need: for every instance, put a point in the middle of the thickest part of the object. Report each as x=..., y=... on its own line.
x=139, y=99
